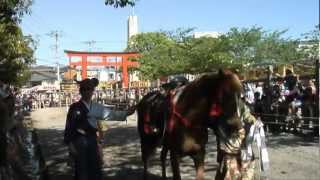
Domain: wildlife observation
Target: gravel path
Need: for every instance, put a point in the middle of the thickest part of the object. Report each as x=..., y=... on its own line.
x=291, y=157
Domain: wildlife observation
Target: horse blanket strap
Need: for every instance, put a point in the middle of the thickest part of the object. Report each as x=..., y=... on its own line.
x=215, y=110
x=146, y=124
x=174, y=96
x=256, y=133
x=148, y=129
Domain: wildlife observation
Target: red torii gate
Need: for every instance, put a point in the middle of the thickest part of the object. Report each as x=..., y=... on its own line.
x=84, y=62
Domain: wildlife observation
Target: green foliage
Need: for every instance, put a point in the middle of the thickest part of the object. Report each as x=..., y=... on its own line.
x=310, y=43
x=253, y=47
x=242, y=45
x=176, y=52
x=160, y=54
x=120, y=3
x=13, y=10
x=144, y=42
x=207, y=54
x=16, y=50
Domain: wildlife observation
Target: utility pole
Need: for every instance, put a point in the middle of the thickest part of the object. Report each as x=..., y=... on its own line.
x=132, y=10
x=56, y=35
x=90, y=44
x=317, y=86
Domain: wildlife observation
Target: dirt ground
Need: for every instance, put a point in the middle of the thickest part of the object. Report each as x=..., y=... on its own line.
x=291, y=157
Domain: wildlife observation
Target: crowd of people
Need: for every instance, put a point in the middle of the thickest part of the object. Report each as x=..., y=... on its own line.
x=39, y=100
x=283, y=99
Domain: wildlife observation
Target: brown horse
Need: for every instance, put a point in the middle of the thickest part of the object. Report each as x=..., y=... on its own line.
x=181, y=119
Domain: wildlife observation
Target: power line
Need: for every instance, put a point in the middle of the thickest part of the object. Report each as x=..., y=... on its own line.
x=40, y=61
x=29, y=28
x=56, y=35
x=90, y=44
x=41, y=21
x=96, y=42
x=44, y=60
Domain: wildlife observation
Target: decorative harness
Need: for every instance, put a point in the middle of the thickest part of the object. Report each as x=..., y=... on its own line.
x=174, y=97
x=215, y=110
x=146, y=118
x=175, y=115
x=146, y=127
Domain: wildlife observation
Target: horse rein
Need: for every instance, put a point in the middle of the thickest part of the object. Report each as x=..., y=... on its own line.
x=173, y=98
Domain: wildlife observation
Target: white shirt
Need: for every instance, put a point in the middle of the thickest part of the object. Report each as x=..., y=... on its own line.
x=260, y=90
x=98, y=112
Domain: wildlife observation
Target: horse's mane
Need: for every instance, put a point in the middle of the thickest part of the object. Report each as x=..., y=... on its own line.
x=210, y=85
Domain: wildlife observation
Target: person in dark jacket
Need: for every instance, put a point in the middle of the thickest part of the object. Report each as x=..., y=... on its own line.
x=81, y=131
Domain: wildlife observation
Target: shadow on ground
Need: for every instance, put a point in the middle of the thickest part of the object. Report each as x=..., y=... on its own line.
x=289, y=140
x=121, y=156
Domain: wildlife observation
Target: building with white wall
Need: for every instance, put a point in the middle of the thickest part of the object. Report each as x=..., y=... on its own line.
x=206, y=34
x=132, y=26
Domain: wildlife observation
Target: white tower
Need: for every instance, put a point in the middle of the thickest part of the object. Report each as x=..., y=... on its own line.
x=132, y=26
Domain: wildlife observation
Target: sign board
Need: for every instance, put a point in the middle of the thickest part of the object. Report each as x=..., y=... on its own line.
x=139, y=84
x=69, y=87
x=105, y=84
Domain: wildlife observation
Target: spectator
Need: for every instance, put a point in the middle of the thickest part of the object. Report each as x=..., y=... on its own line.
x=290, y=80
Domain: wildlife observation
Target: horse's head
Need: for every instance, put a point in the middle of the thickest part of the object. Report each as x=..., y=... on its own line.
x=225, y=95
x=212, y=95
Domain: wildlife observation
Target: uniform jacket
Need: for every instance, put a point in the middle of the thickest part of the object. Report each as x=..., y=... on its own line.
x=85, y=118
x=77, y=119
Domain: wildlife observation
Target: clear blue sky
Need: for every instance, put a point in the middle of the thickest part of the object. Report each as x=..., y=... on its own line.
x=87, y=20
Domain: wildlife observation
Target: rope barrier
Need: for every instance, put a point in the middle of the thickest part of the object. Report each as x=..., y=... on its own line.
x=287, y=123
x=279, y=115
x=279, y=123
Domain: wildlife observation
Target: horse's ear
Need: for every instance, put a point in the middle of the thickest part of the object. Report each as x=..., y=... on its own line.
x=78, y=82
x=75, y=79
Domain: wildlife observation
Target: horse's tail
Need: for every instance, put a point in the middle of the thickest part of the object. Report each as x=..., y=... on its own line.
x=142, y=108
x=150, y=114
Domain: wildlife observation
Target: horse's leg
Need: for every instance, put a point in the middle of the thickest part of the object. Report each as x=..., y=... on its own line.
x=163, y=158
x=174, y=157
x=145, y=168
x=198, y=160
x=145, y=153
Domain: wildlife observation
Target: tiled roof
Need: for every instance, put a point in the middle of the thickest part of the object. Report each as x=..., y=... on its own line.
x=42, y=76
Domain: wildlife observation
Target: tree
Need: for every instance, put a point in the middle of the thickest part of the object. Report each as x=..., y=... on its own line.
x=161, y=52
x=16, y=50
x=251, y=47
x=120, y=3
x=167, y=53
x=206, y=54
x=153, y=48
x=13, y=10
x=310, y=43
x=144, y=42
